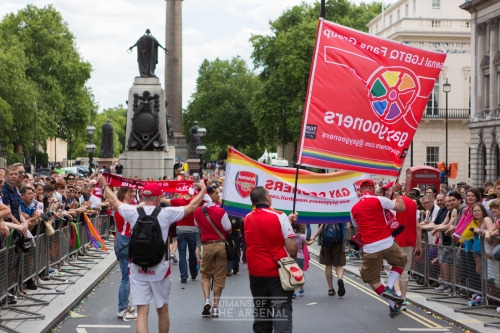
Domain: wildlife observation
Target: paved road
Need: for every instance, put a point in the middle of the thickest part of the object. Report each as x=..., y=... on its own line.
x=360, y=310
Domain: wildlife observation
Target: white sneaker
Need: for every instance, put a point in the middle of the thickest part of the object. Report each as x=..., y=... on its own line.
x=206, y=308
x=215, y=312
x=131, y=309
x=126, y=315
x=439, y=289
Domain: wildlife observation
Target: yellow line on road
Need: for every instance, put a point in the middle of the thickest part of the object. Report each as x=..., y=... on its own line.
x=413, y=315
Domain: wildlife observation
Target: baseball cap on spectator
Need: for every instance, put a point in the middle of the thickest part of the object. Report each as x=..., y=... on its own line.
x=388, y=185
x=152, y=190
x=366, y=182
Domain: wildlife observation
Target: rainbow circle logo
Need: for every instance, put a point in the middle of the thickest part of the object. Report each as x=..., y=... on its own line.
x=391, y=92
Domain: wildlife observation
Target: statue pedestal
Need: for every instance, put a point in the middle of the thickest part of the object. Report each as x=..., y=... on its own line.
x=146, y=164
x=104, y=162
x=194, y=165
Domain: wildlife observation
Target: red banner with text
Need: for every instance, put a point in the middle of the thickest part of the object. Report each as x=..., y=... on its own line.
x=168, y=186
x=365, y=99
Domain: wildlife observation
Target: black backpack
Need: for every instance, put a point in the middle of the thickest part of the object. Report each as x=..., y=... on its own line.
x=147, y=247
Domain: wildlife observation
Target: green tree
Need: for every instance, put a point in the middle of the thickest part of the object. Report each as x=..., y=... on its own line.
x=51, y=73
x=221, y=103
x=284, y=60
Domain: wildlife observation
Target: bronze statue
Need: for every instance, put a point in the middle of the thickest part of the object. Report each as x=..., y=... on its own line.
x=194, y=141
x=147, y=54
x=106, y=150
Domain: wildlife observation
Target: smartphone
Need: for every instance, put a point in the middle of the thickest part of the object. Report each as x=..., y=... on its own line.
x=196, y=177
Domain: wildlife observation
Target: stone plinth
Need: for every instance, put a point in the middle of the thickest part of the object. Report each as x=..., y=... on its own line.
x=146, y=164
x=194, y=165
x=104, y=162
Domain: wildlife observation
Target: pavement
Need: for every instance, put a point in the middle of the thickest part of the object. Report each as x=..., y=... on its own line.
x=94, y=296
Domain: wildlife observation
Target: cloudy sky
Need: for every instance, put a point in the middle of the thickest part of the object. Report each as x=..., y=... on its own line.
x=105, y=29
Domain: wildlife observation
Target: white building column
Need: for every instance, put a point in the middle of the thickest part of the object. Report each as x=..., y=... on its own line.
x=493, y=30
x=479, y=77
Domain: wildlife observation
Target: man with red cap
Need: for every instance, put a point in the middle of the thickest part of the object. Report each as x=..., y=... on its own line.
x=368, y=216
x=152, y=285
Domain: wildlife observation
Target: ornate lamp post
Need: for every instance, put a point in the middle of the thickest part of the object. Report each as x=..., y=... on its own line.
x=446, y=89
x=90, y=147
x=201, y=149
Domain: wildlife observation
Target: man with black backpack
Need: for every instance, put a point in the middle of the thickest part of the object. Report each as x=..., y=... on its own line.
x=332, y=254
x=149, y=267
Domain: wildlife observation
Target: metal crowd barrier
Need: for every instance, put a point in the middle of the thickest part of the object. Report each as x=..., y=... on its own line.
x=469, y=273
x=18, y=267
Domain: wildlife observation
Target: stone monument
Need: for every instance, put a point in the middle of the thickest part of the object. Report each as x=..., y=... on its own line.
x=146, y=151
x=173, y=74
x=106, y=152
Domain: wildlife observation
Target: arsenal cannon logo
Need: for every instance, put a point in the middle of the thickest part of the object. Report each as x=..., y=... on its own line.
x=245, y=182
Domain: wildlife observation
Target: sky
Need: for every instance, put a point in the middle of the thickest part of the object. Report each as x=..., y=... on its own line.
x=104, y=30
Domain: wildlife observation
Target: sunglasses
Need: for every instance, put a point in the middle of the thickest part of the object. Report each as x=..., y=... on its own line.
x=78, y=192
x=21, y=172
x=71, y=178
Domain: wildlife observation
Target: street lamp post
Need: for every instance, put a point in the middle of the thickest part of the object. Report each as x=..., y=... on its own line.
x=55, y=138
x=446, y=89
x=90, y=147
x=201, y=149
x=34, y=138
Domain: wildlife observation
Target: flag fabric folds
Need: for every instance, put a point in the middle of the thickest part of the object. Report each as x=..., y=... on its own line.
x=365, y=99
x=321, y=197
x=93, y=234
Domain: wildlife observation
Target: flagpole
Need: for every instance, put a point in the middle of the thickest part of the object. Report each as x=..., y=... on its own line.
x=295, y=189
x=322, y=15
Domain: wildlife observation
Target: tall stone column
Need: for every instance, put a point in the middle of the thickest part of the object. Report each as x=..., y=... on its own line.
x=493, y=70
x=480, y=52
x=173, y=73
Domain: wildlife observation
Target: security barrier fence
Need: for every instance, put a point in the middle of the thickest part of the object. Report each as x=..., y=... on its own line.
x=17, y=267
x=462, y=274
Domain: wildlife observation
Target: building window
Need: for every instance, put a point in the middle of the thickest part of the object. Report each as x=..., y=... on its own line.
x=486, y=91
x=436, y=4
x=433, y=102
x=484, y=161
x=398, y=15
x=390, y=19
x=406, y=10
x=432, y=156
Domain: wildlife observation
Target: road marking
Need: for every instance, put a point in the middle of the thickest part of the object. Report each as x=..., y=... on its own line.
x=433, y=329
x=103, y=326
x=413, y=315
x=313, y=303
x=81, y=330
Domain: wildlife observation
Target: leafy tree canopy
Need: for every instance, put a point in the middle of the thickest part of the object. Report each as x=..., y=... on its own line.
x=222, y=104
x=41, y=62
x=284, y=60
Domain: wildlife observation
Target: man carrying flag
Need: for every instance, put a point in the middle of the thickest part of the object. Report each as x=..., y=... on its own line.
x=369, y=219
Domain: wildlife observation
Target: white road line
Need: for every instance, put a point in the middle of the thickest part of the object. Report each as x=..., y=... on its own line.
x=444, y=329
x=104, y=326
x=81, y=330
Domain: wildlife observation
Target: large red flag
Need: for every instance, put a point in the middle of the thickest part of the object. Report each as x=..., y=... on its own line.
x=365, y=100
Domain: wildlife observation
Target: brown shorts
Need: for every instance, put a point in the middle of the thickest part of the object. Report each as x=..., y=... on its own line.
x=214, y=264
x=372, y=262
x=333, y=256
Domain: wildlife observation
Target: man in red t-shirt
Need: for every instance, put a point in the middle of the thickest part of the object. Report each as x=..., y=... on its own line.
x=214, y=260
x=368, y=216
x=269, y=236
x=409, y=240
x=186, y=238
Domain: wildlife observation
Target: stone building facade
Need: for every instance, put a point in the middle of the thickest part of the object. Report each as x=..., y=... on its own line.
x=441, y=26
x=485, y=105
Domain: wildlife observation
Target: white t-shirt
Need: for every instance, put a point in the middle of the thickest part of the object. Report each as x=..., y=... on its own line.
x=166, y=217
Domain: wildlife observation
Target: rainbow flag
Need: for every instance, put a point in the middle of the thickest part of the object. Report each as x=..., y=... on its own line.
x=466, y=222
x=94, y=236
x=321, y=197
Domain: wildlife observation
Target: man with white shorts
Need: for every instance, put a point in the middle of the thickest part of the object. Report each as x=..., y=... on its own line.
x=152, y=285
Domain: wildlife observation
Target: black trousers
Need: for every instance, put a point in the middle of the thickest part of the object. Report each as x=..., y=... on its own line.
x=272, y=305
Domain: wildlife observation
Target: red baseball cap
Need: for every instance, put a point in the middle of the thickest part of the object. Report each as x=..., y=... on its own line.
x=366, y=182
x=152, y=190
x=388, y=185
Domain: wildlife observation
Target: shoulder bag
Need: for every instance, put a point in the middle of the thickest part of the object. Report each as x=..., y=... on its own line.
x=230, y=246
x=291, y=276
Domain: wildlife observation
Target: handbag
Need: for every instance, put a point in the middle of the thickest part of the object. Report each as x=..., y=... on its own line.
x=231, y=252
x=291, y=276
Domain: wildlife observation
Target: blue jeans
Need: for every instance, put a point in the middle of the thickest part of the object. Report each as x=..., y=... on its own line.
x=234, y=265
x=308, y=231
x=121, y=251
x=187, y=239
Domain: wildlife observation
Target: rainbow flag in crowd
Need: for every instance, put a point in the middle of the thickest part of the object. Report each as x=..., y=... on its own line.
x=321, y=197
x=466, y=222
x=93, y=235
